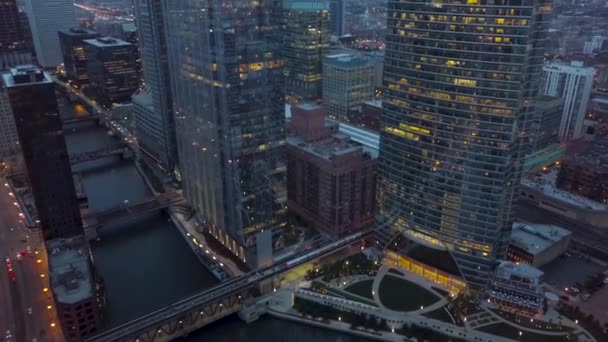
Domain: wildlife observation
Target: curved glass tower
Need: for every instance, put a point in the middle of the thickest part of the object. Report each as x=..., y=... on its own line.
x=460, y=80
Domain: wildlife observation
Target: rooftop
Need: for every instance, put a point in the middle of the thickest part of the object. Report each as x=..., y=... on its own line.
x=24, y=75
x=107, y=42
x=77, y=31
x=70, y=270
x=576, y=67
x=507, y=268
x=535, y=238
x=328, y=149
x=564, y=196
x=347, y=60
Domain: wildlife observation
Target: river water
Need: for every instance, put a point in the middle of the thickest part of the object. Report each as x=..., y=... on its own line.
x=145, y=262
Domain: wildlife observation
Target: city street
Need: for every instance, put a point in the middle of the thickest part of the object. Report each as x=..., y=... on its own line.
x=30, y=314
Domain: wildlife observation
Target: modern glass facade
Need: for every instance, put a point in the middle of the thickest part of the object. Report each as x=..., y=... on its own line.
x=336, y=10
x=74, y=57
x=15, y=44
x=305, y=43
x=460, y=81
x=155, y=127
x=228, y=98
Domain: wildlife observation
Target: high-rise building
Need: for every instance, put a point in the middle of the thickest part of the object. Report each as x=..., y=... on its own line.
x=573, y=83
x=74, y=56
x=112, y=69
x=348, y=81
x=336, y=12
x=154, y=120
x=9, y=140
x=31, y=94
x=46, y=19
x=460, y=82
x=305, y=43
x=330, y=178
x=15, y=48
x=228, y=97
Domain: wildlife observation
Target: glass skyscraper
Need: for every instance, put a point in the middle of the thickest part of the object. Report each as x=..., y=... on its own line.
x=228, y=98
x=460, y=79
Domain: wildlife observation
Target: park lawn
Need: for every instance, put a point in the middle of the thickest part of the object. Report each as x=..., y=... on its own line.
x=402, y=295
x=362, y=288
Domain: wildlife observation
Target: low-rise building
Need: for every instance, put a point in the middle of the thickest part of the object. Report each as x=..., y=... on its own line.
x=537, y=244
x=517, y=287
x=78, y=292
x=330, y=178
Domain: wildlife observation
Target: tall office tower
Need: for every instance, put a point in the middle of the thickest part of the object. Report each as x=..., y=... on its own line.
x=154, y=120
x=31, y=95
x=112, y=69
x=74, y=56
x=348, y=81
x=573, y=83
x=228, y=98
x=336, y=13
x=305, y=43
x=9, y=140
x=460, y=82
x=47, y=17
x=15, y=48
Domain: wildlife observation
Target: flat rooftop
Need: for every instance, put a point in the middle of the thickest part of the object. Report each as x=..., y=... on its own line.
x=520, y=269
x=347, y=60
x=24, y=75
x=338, y=144
x=76, y=32
x=566, y=197
x=535, y=238
x=107, y=42
x=70, y=270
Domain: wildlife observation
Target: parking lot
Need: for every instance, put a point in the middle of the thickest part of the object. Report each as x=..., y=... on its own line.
x=565, y=271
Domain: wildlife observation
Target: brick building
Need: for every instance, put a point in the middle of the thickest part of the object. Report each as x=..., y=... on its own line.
x=586, y=174
x=330, y=178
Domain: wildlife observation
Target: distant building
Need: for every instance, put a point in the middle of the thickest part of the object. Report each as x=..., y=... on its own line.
x=595, y=44
x=154, y=118
x=77, y=290
x=73, y=53
x=330, y=179
x=517, y=287
x=305, y=43
x=368, y=115
x=46, y=19
x=9, y=140
x=586, y=173
x=112, y=69
x=537, y=244
x=31, y=94
x=15, y=42
x=348, y=81
x=573, y=83
x=546, y=122
x=336, y=11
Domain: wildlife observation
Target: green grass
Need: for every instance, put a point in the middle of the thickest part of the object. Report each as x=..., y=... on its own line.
x=362, y=288
x=401, y=295
x=440, y=314
x=505, y=330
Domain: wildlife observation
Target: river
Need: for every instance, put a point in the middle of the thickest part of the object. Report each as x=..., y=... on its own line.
x=145, y=262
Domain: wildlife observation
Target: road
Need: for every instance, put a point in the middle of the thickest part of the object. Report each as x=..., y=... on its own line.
x=27, y=316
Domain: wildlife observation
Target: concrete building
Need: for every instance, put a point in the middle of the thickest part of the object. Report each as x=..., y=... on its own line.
x=457, y=105
x=154, y=119
x=112, y=69
x=348, y=81
x=73, y=53
x=228, y=99
x=330, y=178
x=594, y=45
x=305, y=44
x=537, y=244
x=586, y=173
x=78, y=292
x=15, y=43
x=46, y=19
x=517, y=287
x=31, y=94
x=573, y=83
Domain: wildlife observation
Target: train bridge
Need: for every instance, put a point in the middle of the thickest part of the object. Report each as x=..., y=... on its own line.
x=192, y=313
x=116, y=150
x=136, y=207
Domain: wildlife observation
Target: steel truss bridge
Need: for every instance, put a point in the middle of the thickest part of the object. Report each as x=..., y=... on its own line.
x=137, y=207
x=116, y=150
x=189, y=314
